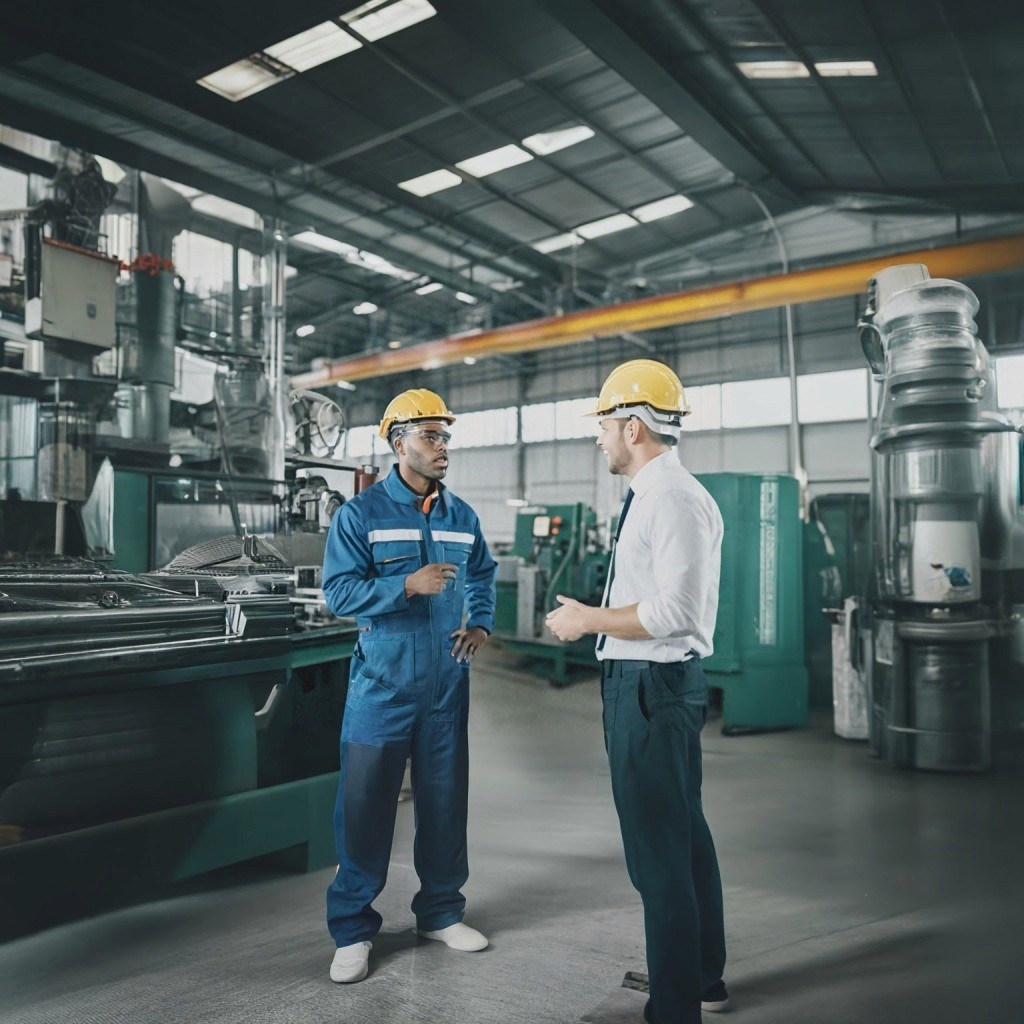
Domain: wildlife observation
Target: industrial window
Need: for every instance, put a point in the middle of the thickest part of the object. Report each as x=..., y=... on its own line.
x=485, y=429
x=121, y=233
x=362, y=442
x=13, y=189
x=572, y=421
x=539, y=422
x=1010, y=381
x=205, y=264
x=756, y=403
x=832, y=397
x=706, y=407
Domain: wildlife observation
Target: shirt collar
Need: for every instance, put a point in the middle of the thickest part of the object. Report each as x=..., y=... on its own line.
x=401, y=492
x=644, y=479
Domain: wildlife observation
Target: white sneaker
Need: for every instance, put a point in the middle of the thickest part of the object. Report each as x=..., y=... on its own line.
x=460, y=937
x=351, y=963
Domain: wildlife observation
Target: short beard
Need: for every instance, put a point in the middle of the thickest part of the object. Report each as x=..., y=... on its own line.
x=426, y=467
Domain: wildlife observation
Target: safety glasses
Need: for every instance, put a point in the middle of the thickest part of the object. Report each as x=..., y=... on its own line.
x=437, y=438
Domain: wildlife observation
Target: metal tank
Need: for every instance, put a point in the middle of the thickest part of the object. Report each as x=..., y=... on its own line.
x=944, y=516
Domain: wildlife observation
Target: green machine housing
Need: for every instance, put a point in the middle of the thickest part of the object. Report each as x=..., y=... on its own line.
x=558, y=549
x=758, y=664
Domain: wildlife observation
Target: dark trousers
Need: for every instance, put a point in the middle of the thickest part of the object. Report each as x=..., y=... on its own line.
x=376, y=740
x=653, y=715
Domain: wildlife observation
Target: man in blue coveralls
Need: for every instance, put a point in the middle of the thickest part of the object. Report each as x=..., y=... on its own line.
x=404, y=558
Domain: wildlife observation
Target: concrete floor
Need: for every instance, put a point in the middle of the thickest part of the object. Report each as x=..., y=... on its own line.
x=853, y=894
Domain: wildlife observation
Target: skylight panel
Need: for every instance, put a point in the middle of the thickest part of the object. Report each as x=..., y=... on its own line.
x=774, y=69
x=385, y=21
x=428, y=184
x=557, y=242
x=494, y=160
x=606, y=225
x=313, y=47
x=245, y=78
x=662, y=208
x=846, y=68
x=544, y=143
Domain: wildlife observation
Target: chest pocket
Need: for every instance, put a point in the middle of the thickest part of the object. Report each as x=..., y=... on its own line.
x=456, y=547
x=396, y=552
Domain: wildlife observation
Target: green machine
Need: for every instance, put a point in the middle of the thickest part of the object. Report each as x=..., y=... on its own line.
x=155, y=728
x=558, y=549
x=758, y=664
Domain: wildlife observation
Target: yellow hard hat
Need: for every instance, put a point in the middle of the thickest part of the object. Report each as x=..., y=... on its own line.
x=417, y=404
x=642, y=382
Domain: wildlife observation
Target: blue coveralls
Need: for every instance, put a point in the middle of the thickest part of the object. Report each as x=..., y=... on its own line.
x=407, y=696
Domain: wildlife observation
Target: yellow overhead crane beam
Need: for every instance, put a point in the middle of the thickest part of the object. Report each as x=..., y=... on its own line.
x=957, y=261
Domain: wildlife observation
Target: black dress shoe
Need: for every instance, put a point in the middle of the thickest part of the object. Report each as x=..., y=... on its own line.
x=715, y=998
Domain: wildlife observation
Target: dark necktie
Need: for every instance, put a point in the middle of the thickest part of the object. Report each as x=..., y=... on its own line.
x=611, y=562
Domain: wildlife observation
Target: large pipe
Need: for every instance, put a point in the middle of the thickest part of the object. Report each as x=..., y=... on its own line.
x=966, y=260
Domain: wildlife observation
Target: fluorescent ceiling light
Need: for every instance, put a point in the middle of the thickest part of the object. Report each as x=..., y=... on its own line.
x=551, y=142
x=493, y=161
x=558, y=242
x=313, y=47
x=245, y=77
x=773, y=69
x=305, y=330
x=428, y=184
x=224, y=209
x=365, y=307
x=606, y=225
x=345, y=385
x=428, y=288
x=470, y=360
x=378, y=264
x=662, y=208
x=470, y=300
x=394, y=344
x=325, y=242
x=354, y=255
x=384, y=21
x=846, y=68
x=290, y=272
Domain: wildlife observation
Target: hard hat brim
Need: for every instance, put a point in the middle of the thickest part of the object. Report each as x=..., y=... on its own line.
x=598, y=413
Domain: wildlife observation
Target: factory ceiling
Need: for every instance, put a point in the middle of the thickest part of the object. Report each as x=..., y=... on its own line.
x=458, y=163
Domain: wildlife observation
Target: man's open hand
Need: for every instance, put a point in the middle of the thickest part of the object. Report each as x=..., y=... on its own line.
x=468, y=642
x=431, y=579
x=571, y=621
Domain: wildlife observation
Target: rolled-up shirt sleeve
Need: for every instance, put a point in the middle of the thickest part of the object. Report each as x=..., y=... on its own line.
x=682, y=541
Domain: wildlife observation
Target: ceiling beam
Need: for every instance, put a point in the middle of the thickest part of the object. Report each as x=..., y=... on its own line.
x=620, y=52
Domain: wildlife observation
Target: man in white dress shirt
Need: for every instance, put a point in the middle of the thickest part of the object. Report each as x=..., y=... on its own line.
x=655, y=624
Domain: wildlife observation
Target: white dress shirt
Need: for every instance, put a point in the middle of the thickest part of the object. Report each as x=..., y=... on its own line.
x=667, y=562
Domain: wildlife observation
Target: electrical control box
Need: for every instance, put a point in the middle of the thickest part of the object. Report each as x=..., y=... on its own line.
x=77, y=297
